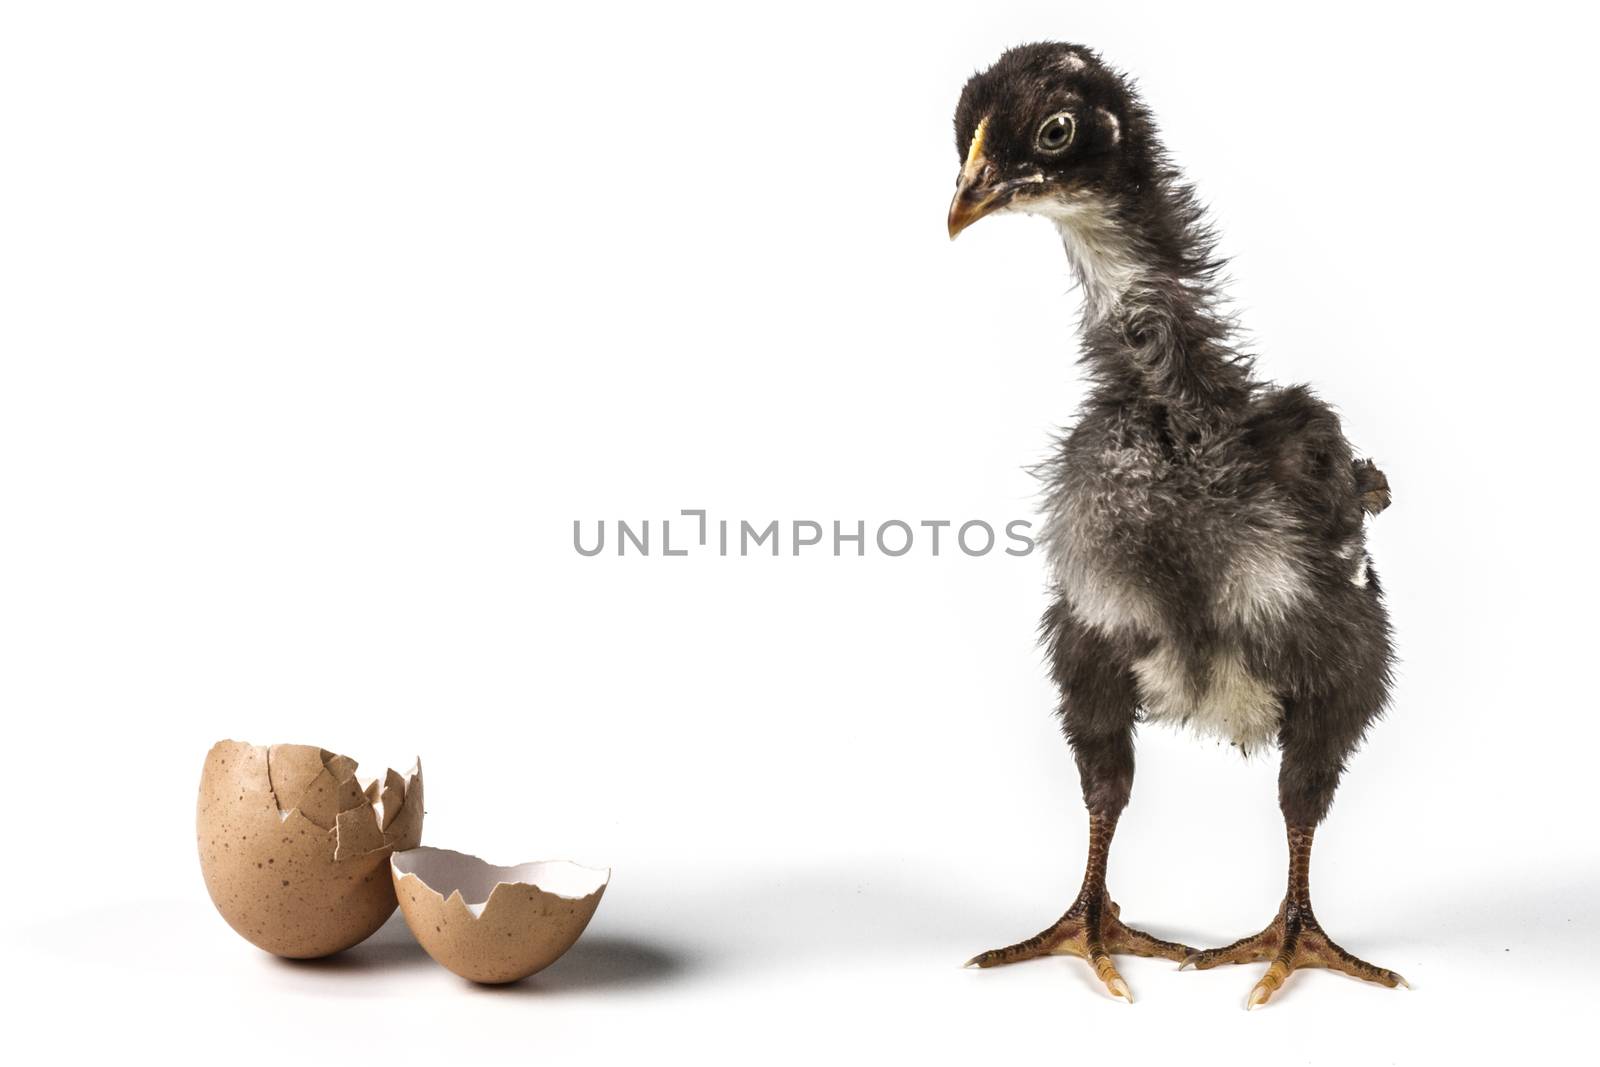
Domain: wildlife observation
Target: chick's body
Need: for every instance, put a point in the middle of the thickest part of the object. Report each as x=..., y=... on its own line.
x=1213, y=575
x=1205, y=530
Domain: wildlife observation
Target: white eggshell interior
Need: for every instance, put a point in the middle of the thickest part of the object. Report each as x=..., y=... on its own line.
x=446, y=872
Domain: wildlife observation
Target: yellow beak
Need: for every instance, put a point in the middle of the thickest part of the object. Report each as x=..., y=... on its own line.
x=977, y=192
x=971, y=203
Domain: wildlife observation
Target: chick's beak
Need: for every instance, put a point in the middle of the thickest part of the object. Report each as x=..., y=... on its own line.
x=979, y=190
x=977, y=194
x=973, y=200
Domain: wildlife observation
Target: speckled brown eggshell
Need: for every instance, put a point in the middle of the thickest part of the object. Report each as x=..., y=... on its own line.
x=300, y=870
x=494, y=924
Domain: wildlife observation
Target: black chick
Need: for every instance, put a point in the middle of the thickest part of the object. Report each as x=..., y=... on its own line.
x=1204, y=530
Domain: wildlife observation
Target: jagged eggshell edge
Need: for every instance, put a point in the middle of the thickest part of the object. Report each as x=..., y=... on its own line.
x=517, y=929
x=281, y=880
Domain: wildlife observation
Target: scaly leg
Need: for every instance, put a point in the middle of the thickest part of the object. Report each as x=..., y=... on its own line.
x=1091, y=929
x=1294, y=939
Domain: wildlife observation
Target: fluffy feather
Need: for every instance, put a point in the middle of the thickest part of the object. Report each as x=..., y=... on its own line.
x=1204, y=528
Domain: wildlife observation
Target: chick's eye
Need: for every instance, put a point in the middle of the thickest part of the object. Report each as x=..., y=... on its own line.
x=1056, y=133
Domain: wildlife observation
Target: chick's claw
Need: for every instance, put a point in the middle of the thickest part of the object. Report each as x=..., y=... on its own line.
x=1294, y=940
x=1093, y=931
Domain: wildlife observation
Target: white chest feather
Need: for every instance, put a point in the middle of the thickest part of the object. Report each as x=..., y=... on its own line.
x=1260, y=587
x=1222, y=699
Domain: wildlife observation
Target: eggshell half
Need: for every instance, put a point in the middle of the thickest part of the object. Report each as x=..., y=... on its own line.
x=294, y=851
x=494, y=924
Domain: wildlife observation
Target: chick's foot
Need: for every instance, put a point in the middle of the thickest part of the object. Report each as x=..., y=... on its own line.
x=1092, y=930
x=1293, y=940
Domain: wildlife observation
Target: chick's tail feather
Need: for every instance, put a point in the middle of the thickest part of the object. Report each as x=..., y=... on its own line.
x=1373, y=485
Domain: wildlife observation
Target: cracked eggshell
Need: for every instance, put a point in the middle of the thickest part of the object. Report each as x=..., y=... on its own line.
x=294, y=849
x=494, y=924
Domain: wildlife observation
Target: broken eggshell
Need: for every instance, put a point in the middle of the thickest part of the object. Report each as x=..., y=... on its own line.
x=494, y=924
x=293, y=847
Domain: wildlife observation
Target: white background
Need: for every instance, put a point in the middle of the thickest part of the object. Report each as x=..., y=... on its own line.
x=321, y=324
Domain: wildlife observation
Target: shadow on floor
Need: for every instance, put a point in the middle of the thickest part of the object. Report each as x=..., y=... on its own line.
x=601, y=962
x=390, y=949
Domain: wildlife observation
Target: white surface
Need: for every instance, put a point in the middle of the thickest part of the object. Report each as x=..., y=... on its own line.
x=323, y=322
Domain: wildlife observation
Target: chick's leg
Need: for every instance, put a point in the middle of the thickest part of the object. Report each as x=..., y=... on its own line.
x=1294, y=939
x=1099, y=707
x=1315, y=740
x=1091, y=928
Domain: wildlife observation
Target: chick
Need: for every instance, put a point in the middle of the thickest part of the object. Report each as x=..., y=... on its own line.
x=1205, y=530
